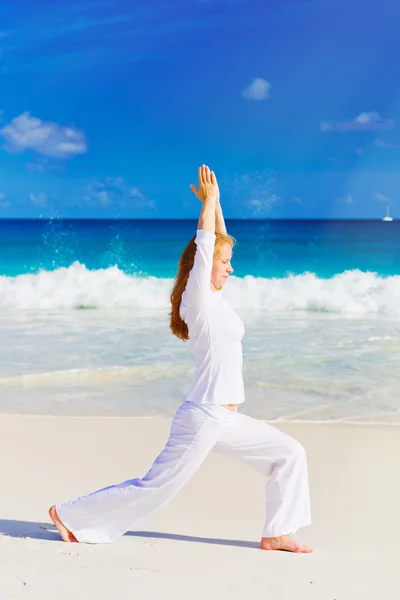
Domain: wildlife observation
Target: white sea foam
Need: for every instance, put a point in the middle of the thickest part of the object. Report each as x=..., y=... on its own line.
x=351, y=292
x=314, y=366
x=97, y=376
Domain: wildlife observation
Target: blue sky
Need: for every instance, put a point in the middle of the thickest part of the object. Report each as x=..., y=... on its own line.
x=109, y=106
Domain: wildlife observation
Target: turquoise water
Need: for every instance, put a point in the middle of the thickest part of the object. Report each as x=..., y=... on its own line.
x=320, y=301
x=152, y=247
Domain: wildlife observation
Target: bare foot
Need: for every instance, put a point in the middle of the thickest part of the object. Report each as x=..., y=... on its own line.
x=66, y=534
x=283, y=542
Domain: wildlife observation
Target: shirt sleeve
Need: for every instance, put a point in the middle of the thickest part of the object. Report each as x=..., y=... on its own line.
x=198, y=285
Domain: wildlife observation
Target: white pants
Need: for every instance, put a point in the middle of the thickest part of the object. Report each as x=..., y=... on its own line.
x=196, y=429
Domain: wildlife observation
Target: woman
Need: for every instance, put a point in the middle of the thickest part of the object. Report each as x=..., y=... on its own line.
x=208, y=419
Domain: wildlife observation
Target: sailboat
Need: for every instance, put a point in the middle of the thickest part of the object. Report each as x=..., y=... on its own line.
x=387, y=217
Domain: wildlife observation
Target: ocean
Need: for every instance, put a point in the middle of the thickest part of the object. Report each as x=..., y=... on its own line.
x=84, y=320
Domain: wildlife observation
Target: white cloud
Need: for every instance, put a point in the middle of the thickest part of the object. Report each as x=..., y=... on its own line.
x=381, y=197
x=368, y=121
x=106, y=190
x=35, y=167
x=3, y=202
x=384, y=144
x=300, y=202
x=104, y=197
x=115, y=191
x=257, y=90
x=347, y=199
x=47, y=138
x=140, y=200
x=38, y=199
x=135, y=193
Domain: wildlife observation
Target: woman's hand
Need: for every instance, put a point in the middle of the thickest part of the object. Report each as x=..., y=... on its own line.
x=208, y=185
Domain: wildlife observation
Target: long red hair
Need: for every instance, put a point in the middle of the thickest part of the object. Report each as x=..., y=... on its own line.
x=178, y=325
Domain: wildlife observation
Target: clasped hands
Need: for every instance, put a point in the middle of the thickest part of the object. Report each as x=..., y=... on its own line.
x=208, y=185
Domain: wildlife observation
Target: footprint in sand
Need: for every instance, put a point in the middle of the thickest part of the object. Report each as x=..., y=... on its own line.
x=67, y=553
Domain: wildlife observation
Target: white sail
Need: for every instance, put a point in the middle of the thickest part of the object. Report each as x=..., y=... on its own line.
x=387, y=217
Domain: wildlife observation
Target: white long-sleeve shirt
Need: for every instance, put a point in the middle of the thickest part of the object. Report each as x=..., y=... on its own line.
x=215, y=332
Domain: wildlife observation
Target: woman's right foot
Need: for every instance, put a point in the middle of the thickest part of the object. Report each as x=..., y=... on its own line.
x=283, y=542
x=66, y=534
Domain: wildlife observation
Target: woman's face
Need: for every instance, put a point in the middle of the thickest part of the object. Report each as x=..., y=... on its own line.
x=222, y=267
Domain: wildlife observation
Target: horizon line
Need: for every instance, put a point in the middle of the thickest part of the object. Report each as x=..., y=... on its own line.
x=190, y=219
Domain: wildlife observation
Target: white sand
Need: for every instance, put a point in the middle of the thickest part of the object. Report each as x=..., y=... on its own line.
x=204, y=544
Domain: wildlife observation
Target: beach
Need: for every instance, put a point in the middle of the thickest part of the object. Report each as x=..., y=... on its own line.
x=205, y=541
x=199, y=203
x=90, y=378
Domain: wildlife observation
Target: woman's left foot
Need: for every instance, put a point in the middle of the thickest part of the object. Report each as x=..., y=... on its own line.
x=66, y=534
x=283, y=542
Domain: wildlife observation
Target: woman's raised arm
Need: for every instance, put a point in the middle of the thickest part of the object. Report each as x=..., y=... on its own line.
x=209, y=192
x=198, y=285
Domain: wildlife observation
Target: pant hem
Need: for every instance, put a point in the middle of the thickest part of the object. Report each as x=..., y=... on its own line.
x=278, y=531
x=66, y=524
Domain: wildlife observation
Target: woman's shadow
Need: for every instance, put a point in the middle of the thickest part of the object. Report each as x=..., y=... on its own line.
x=47, y=531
